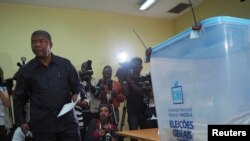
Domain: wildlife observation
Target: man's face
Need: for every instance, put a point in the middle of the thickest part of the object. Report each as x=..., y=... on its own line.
x=104, y=114
x=107, y=73
x=137, y=69
x=41, y=46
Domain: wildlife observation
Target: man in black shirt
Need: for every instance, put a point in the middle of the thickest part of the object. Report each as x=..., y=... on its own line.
x=48, y=82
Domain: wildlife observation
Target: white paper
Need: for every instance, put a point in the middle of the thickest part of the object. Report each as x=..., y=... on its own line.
x=67, y=107
x=18, y=135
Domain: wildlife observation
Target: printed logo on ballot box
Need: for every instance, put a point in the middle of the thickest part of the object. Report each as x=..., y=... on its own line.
x=177, y=94
x=181, y=116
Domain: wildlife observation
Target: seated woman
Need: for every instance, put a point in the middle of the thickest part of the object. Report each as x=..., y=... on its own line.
x=102, y=129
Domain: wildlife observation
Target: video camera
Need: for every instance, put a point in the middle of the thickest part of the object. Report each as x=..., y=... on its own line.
x=9, y=82
x=86, y=70
x=108, y=83
x=124, y=71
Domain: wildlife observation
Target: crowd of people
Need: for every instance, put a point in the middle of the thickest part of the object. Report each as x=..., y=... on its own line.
x=48, y=82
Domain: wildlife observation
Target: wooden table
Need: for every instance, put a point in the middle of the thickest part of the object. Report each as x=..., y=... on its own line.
x=143, y=134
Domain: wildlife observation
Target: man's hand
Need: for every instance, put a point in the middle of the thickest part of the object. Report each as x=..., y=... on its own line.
x=83, y=103
x=102, y=132
x=76, y=97
x=25, y=128
x=87, y=78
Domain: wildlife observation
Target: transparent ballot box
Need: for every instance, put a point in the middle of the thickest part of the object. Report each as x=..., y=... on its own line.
x=202, y=77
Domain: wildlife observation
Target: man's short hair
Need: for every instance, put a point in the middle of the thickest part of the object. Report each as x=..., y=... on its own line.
x=43, y=33
x=135, y=62
x=105, y=105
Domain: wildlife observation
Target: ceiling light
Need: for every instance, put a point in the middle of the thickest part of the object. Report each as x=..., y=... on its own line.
x=147, y=4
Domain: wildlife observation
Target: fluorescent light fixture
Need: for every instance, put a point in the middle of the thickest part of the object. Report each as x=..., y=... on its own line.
x=147, y=4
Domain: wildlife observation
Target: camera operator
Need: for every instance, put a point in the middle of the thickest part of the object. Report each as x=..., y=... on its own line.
x=110, y=92
x=102, y=129
x=89, y=83
x=137, y=91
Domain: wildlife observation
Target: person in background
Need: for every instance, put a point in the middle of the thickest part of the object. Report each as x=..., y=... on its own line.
x=48, y=81
x=122, y=73
x=102, y=129
x=89, y=82
x=110, y=92
x=81, y=104
x=150, y=110
x=4, y=102
x=137, y=91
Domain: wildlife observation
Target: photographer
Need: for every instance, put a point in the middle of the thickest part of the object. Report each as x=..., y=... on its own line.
x=102, y=129
x=110, y=92
x=137, y=91
x=89, y=83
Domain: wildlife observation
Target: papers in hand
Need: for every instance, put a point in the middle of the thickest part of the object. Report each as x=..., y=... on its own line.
x=67, y=107
x=19, y=135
